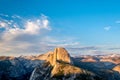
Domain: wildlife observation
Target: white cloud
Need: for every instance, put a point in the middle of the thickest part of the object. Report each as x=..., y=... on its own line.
x=3, y=24
x=107, y=28
x=34, y=27
x=25, y=36
x=22, y=35
x=30, y=27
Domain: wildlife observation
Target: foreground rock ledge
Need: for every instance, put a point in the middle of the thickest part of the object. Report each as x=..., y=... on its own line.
x=59, y=66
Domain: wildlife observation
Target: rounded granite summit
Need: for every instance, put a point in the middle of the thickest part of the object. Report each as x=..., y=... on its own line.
x=59, y=66
x=59, y=55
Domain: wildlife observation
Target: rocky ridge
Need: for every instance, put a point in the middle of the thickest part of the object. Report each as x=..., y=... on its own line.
x=54, y=66
x=59, y=66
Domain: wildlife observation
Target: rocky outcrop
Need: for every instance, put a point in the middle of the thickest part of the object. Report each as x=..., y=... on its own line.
x=41, y=72
x=65, y=71
x=117, y=68
x=59, y=66
x=59, y=54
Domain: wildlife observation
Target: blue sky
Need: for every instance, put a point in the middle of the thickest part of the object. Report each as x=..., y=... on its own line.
x=81, y=26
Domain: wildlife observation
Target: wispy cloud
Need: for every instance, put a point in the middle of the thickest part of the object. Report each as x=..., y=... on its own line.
x=30, y=27
x=5, y=15
x=3, y=24
x=21, y=35
x=16, y=16
x=118, y=21
x=107, y=28
x=31, y=35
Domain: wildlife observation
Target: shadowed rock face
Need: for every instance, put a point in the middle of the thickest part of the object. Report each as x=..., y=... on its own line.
x=59, y=66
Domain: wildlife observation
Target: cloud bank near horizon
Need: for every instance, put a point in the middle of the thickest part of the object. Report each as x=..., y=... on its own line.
x=23, y=36
x=18, y=34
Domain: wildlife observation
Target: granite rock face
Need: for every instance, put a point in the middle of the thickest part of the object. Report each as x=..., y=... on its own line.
x=117, y=68
x=59, y=66
x=59, y=54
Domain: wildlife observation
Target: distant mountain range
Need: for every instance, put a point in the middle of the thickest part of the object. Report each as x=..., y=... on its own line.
x=59, y=65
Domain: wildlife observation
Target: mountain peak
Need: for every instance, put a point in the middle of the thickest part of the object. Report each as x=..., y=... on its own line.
x=59, y=55
x=58, y=66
